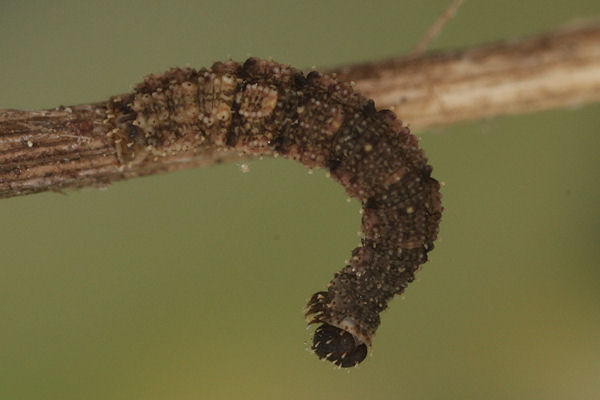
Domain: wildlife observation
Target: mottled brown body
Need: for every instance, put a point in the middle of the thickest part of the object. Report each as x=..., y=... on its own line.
x=261, y=108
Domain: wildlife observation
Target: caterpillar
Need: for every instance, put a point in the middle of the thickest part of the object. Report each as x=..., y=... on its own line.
x=261, y=107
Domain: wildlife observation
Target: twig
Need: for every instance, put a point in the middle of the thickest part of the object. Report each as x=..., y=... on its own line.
x=69, y=147
x=556, y=70
x=436, y=28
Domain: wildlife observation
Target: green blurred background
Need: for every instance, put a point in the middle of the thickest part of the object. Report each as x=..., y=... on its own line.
x=191, y=285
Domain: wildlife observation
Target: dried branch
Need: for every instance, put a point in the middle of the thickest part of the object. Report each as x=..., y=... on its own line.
x=559, y=69
x=70, y=147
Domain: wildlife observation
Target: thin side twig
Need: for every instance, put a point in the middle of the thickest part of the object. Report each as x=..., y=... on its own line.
x=436, y=28
x=70, y=147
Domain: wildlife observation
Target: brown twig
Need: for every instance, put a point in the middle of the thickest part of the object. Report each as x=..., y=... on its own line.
x=558, y=69
x=69, y=147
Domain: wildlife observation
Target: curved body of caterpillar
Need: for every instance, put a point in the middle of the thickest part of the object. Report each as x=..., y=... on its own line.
x=265, y=108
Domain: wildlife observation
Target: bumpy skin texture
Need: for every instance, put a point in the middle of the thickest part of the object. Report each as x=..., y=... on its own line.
x=265, y=108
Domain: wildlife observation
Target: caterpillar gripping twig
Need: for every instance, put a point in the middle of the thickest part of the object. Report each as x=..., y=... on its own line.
x=266, y=108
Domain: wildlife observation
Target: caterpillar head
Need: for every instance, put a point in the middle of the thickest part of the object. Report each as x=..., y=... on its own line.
x=338, y=341
x=338, y=346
